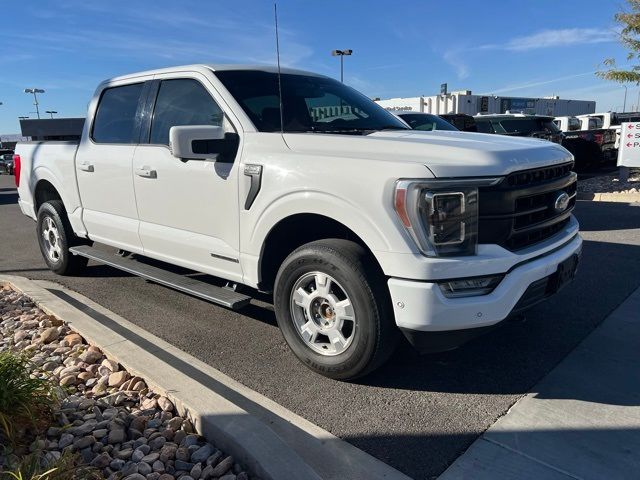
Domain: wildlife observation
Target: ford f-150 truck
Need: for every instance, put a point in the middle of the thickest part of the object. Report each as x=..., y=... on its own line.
x=298, y=185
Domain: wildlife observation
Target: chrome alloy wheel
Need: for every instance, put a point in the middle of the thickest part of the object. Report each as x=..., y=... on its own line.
x=323, y=313
x=51, y=238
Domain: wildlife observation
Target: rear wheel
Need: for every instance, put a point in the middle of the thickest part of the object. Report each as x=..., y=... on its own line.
x=55, y=236
x=333, y=309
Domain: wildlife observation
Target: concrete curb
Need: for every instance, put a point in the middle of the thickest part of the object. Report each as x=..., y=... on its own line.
x=610, y=197
x=270, y=440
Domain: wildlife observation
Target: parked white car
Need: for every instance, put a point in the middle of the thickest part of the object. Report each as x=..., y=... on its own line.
x=361, y=227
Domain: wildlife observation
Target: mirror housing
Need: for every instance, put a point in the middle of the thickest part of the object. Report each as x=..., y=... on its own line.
x=196, y=142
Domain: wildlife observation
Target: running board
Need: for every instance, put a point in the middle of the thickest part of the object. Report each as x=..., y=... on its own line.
x=222, y=296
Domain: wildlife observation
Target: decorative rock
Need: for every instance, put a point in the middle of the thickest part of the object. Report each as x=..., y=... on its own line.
x=202, y=453
x=118, y=378
x=196, y=471
x=91, y=356
x=167, y=453
x=68, y=381
x=117, y=464
x=117, y=436
x=191, y=440
x=151, y=457
x=166, y=476
x=165, y=404
x=182, y=465
x=73, y=339
x=98, y=434
x=84, y=442
x=231, y=476
x=183, y=454
x=49, y=335
x=158, y=442
x=242, y=476
x=144, y=468
x=158, y=466
x=124, y=454
x=135, y=476
x=223, y=467
x=110, y=365
x=101, y=461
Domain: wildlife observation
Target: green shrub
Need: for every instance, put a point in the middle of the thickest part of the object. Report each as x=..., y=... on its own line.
x=24, y=400
x=68, y=467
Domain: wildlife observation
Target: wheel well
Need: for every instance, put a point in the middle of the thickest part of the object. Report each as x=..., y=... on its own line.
x=293, y=232
x=44, y=192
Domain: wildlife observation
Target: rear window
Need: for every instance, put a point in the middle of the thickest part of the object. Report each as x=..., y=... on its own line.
x=115, y=120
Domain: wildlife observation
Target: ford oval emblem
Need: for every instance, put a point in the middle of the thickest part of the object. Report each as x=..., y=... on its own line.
x=561, y=202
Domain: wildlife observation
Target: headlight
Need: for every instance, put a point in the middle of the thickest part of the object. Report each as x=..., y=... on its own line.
x=441, y=215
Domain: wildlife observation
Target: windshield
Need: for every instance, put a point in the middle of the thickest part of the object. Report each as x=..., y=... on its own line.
x=528, y=125
x=426, y=121
x=310, y=103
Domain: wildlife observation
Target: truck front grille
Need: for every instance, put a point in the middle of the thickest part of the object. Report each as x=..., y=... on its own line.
x=520, y=210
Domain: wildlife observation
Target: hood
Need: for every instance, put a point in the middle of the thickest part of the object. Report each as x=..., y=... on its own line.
x=445, y=153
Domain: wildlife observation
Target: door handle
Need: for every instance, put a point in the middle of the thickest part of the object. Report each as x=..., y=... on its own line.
x=146, y=172
x=85, y=167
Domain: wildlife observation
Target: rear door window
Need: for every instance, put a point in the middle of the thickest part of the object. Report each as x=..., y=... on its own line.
x=115, y=120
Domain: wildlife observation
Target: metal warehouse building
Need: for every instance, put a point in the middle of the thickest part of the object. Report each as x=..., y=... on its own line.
x=465, y=102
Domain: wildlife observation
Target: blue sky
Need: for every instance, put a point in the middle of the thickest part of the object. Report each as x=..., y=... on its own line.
x=401, y=47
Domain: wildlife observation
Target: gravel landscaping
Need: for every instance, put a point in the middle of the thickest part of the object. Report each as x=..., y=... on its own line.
x=106, y=415
x=611, y=183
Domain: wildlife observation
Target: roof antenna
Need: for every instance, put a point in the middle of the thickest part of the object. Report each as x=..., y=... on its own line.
x=275, y=12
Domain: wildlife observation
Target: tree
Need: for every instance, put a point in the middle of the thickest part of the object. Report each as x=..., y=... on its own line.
x=629, y=22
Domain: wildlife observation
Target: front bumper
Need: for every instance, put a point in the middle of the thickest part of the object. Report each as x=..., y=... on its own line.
x=422, y=307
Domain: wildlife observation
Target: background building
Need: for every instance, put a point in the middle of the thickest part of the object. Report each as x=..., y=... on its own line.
x=465, y=102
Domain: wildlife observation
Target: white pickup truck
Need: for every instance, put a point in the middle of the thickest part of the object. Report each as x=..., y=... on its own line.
x=298, y=185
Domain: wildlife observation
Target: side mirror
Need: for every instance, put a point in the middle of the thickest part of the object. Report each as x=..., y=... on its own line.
x=196, y=142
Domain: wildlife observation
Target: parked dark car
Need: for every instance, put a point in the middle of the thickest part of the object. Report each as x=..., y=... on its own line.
x=423, y=121
x=6, y=163
x=520, y=125
x=461, y=121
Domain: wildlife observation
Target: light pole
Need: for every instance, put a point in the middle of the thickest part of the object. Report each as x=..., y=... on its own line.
x=35, y=91
x=341, y=54
x=51, y=112
x=624, y=106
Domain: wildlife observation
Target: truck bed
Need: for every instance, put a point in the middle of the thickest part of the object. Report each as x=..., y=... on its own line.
x=43, y=161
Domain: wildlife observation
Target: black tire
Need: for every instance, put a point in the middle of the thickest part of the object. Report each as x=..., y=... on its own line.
x=66, y=263
x=374, y=333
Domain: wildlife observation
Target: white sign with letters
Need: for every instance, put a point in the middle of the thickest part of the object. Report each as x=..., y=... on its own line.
x=629, y=151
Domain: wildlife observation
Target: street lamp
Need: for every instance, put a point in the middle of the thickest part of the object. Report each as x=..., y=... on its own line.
x=35, y=91
x=51, y=112
x=341, y=54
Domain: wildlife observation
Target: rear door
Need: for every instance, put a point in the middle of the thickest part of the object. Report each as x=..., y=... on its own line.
x=188, y=209
x=104, y=167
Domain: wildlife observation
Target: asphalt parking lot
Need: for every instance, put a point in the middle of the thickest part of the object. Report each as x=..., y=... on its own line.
x=418, y=413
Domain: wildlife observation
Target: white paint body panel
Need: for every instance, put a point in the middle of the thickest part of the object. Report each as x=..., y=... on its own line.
x=193, y=212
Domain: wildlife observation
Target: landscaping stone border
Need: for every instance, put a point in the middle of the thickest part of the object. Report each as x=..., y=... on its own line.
x=269, y=440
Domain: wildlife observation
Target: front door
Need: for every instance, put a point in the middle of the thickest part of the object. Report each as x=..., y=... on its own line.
x=104, y=168
x=188, y=209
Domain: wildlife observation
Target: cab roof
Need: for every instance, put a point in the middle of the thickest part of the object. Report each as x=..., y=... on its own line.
x=202, y=67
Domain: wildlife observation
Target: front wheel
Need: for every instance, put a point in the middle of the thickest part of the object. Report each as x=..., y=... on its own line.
x=333, y=309
x=55, y=236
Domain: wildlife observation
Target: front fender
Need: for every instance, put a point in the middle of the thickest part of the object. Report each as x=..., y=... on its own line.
x=320, y=203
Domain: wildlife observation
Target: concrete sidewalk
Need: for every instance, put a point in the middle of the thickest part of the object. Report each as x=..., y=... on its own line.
x=582, y=421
